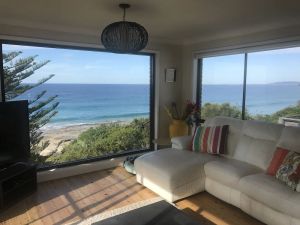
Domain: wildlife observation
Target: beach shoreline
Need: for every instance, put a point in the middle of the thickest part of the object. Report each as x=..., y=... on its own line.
x=59, y=137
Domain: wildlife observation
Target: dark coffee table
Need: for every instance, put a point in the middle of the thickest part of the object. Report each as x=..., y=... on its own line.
x=159, y=213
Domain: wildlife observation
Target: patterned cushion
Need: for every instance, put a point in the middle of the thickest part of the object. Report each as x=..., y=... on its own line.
x=289, y=171
x=211, y=140
x=278, y=158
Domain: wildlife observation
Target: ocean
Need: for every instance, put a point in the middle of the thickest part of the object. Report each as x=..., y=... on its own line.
x=93, y=103
x=260, y=98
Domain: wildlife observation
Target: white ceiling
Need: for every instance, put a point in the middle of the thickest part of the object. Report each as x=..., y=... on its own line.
x=169, y=20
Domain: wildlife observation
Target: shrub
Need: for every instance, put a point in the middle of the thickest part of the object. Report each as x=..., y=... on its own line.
x=286, y=112
x=115, y=137
x=211, y=110
x=225, y=109
x=106, y=139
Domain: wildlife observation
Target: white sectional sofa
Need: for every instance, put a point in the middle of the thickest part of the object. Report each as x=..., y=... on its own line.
x=238, y=177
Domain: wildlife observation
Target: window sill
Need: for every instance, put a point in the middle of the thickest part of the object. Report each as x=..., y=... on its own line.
x=74, y=168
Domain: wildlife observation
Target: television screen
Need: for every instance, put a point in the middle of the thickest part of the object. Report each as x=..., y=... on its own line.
x=14, y=132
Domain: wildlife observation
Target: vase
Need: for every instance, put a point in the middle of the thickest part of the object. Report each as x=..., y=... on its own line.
x=178, y=128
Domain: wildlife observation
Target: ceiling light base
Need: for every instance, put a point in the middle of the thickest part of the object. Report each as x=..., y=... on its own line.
x=124, y=6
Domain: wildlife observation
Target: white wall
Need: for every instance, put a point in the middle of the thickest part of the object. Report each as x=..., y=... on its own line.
x=169, y=57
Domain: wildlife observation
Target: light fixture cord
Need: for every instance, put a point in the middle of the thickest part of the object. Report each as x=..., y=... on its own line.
x=124, y=13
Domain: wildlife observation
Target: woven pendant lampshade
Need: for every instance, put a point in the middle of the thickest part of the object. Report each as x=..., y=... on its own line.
x=124, y=36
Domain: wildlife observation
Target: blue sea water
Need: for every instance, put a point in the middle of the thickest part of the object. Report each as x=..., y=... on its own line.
x=91, y=103
x=260, y=98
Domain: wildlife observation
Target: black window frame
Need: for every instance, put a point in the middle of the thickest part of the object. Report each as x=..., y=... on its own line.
x=152, y=57
x=200, y=85
x=244, y=52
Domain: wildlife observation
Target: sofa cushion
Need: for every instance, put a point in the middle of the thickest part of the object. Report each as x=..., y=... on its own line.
x=258, y=143
x=212, y=140
x=271, y=192
x=235, y=128
x=257, y=152
x=262, y=130
x=229, y=171
x=172, y=168
x=290, y=139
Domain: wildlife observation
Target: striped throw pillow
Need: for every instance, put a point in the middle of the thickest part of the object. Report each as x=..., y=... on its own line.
x=211, y=140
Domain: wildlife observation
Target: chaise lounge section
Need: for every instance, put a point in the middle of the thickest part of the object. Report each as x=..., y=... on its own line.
x=238, y=177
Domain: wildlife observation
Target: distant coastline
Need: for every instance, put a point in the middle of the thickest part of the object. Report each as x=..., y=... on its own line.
x=61, y=125
x=273, y=83
x=97, y=103
x=260, y=98
x=287, y=83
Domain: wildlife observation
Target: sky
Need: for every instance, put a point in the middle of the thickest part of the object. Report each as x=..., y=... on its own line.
x=263, y=67
x=86, y=67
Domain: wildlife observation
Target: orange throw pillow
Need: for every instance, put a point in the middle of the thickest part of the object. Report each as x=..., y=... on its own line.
x=277, y=160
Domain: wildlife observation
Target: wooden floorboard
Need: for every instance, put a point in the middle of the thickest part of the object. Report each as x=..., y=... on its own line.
x=73, y=199
x=206, y=207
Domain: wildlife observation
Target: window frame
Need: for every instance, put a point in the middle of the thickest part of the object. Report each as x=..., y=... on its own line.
x=200, y=85
x=244, y=51
x=152, y=57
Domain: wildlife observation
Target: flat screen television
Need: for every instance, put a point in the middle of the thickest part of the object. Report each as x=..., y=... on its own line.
x=14, y=132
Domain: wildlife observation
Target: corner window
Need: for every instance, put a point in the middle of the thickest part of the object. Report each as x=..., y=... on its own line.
x=273, y=85
x=222, y=86
x=259, y=85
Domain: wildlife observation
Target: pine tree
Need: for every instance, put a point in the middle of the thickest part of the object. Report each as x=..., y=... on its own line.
x=41, y=109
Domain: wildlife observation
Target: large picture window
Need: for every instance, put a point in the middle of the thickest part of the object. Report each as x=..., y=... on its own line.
x=222, y=86
x=273, y=85
x=266, y=84
x=84, y=104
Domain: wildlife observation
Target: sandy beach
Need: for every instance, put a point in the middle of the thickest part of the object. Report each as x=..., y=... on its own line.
x=60, y=137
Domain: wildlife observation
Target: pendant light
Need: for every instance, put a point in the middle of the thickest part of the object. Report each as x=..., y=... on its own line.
x=124, y=36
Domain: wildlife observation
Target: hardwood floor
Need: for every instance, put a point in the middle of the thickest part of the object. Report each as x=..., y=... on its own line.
x=211, y=210
x=75, y=198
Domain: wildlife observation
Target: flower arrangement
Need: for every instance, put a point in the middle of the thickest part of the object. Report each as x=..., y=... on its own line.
x=191, y=113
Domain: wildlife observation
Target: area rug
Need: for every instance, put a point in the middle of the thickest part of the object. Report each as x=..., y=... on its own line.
x=118, y=211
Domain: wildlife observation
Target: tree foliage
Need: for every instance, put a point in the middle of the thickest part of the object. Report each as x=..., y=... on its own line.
x=225, y=109
x=106, y=139
x=291, y=111
x=41, y=108
x=212, y=110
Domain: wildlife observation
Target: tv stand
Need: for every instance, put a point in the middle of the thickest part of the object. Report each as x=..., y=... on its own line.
x=16, y=181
